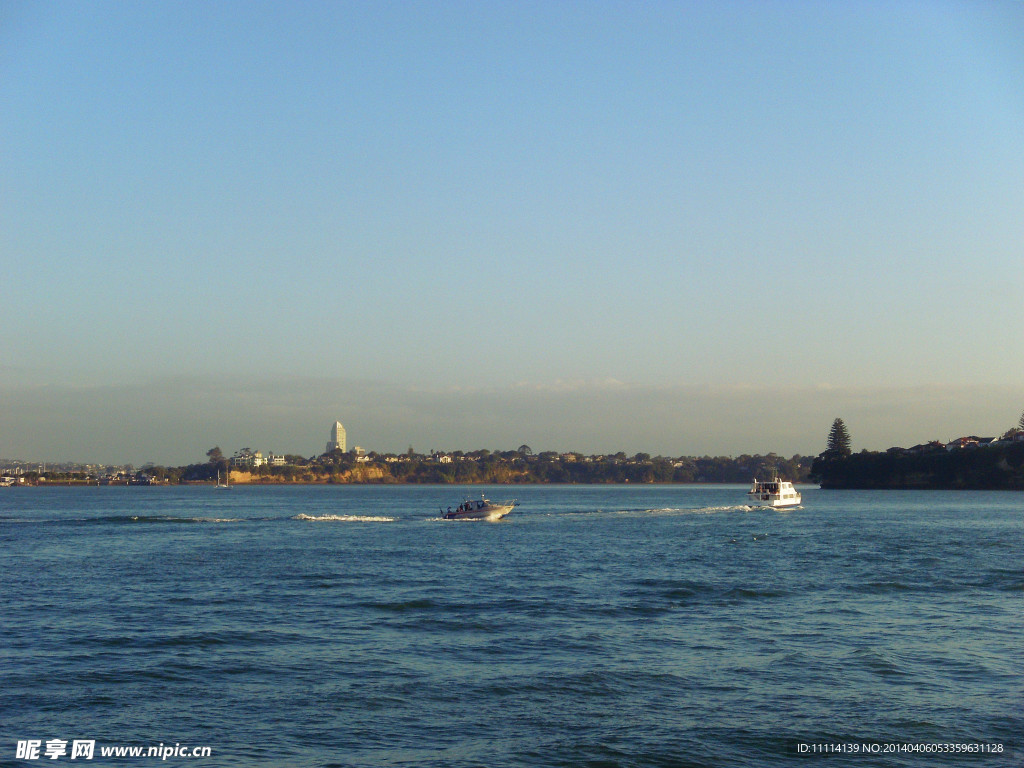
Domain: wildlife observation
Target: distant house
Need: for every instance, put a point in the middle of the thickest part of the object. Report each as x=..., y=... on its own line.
x=934, y=445
x=963, y=442
x=247, y=458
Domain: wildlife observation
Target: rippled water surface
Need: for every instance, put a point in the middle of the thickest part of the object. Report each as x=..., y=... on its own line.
x=595, y=626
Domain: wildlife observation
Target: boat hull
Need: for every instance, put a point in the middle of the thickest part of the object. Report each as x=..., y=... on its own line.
x=487, y=512
x=765, y=500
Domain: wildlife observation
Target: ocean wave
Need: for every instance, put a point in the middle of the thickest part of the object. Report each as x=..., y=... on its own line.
x=730, y=508
x=884, y=587
x=130, y=519
x=658, y=596
x=344, y=518
x=1004, y=580
x=881, y=664
x=168, y=519
x=656, y=511
x=401, y=606
x=688, y=510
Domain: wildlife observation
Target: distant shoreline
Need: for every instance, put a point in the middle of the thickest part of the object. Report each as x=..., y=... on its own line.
x=363, y=483
x=480, y=467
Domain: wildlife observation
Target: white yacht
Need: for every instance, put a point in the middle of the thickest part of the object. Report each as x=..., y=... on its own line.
x=480, y=509
x=773, y=493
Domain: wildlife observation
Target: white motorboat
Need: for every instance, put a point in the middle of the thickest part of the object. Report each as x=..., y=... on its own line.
x=773, y=493
x=480, y=509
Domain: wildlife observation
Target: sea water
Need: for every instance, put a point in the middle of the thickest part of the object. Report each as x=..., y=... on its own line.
x=594, y=626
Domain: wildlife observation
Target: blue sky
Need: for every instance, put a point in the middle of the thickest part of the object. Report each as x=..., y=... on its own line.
x=677, y=228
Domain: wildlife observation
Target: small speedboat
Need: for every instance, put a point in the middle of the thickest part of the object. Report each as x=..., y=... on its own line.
x=480, y=509
x=773, y=493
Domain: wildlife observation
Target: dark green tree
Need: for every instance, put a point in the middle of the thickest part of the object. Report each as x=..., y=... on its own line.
x=215, y=455
x=838, y=445
x=1012, y=432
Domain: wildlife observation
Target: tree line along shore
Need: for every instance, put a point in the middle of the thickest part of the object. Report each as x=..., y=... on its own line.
x=968, y=463
x=477, y=467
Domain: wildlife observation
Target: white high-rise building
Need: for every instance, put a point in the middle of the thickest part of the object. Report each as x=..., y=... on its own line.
x=337, y=441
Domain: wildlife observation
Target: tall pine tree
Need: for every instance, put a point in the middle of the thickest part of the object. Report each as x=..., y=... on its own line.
x=838, y=440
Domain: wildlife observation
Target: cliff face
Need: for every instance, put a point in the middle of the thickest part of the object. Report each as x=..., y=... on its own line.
x=356, y=475
x=365, y=475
